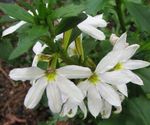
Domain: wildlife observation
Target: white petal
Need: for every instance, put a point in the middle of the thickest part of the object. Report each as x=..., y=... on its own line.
x=113, y=39
x=58, y=37
x=135, y=64
x=92, y=31
x=133, y=77
x=69, y=89
x=109, y=94
x=74, y=72
x=106, y=110
x=35, y=93
x=118, y=109
x=84, y=86
x=94, y=101
x=128, y=52
x=108, y=62
x=35, y=61
x=114, y=77
x=83, y=108
x=29, y=73
x=121, y=42
x=13, y=28
x=54, y=97
x=123, y=89
x=96, y=21
x=69, y=109
x=39, y=48
x=72, y=49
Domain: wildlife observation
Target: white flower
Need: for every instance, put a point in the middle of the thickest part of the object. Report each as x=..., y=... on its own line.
x=38, y=48
x=96, y=87
x=125, y=64
x=58, y=88
x=58, y=37
x=91, y=24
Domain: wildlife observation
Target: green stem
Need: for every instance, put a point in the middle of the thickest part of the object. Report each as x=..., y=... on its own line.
x=120, y=15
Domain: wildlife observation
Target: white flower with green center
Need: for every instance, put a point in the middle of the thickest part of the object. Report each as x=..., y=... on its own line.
x=99, y=87
x=90, y=25
x=38, y=49
x=56, y=82
x=125, y=64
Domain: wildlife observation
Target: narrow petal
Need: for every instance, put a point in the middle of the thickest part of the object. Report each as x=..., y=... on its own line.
x=128, y=52
x=109, y=94
x=133, y=77
x=83, y=109
x=35, y=61
x=121, y=42
x=13, y=28
x=106, y=110
x=135, y=64
x=54, y=97
x=84, y=86
x=69, y=109
x=29, y=73
x=114, y=78
x=96, y=21
x=74, y=72
x=35, y=93
x=123, y=89
x=94, y=101
x=69, y=89
x=118, y=109
x=92, y=31
x=108, y=62
x=58, y=37
x=39, y=48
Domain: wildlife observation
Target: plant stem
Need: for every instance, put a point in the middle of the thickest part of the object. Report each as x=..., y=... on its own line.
x=120, y=16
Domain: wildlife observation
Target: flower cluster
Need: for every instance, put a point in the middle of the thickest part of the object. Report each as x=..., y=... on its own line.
x=104, y=88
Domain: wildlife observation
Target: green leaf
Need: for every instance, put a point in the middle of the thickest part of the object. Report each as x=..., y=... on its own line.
x=17, y=12
x=27, y=40
x=141, y=15
x=69, y=23
x=139, y=109
x=67, y=11
x=5, y=49
x=93, y=6
x=145, y=76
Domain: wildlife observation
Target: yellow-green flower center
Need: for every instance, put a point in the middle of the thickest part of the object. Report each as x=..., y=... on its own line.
x=119, y=66
x=94, y=79
x=51, y=75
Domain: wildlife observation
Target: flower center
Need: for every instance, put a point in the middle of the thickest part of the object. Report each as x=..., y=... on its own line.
x=51, y=75
x=94, y=79
x=119, y=66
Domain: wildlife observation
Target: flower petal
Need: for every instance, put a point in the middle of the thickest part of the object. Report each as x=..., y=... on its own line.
x=123, y=89
x=54, y=97
x=108, y=62
x=94, y=101
x=109, y=94
x=29, y=73
x=35, y=93
x=133, y=77
x=83, y=108
x=121, y=42
x=74, y=72
x=106, y=110
x=13, y=28
x=129, y=51
x=69, y=89
x=96, y=21
x=135, y=64
x=92, y=31
x=118, y=109
x=84, y=86
x=114, y=78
